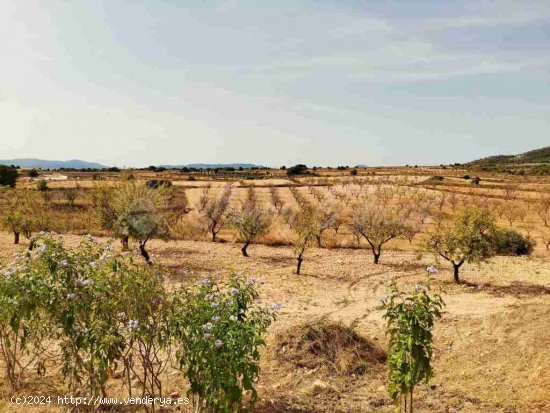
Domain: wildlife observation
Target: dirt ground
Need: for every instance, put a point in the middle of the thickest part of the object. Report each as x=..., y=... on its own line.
x=492, y=345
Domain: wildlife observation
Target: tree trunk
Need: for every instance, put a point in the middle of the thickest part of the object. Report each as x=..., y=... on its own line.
x=31, y=244
x=376, y=257
x=318, y=237
x=456, y=268
x=16, y=238
x=124, y=241
x=144, y=252
x=299, y=266
x=243, y=249
x=213, y=236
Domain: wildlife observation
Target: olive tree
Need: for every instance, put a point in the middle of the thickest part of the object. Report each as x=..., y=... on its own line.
x=21, y=215
x=377, y=225
x=250, y=220
x=136, y=211
x=214, y=210
x=464, y=239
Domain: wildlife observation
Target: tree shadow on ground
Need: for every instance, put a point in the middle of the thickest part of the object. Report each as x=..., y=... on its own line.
x=516, y=289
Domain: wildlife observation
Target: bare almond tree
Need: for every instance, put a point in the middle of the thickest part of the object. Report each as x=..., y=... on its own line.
x=377, y=226
x=214, y=210
x=250, y=221
x=326, y=215
x=546, y=239
x=441, y=199
x=543, y=209
x=301, y=220
x=276, y=199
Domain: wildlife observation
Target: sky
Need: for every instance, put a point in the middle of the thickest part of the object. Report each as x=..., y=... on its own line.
x=137, y=83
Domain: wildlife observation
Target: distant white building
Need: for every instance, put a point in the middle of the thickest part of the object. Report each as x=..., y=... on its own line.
x=52, y=177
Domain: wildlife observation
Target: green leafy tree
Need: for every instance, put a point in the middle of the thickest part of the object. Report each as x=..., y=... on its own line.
x=8, y=176
x=467, y=238
x=136, y=211
x=410, y=320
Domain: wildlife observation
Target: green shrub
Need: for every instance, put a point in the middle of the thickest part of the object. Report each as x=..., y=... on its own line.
x=410, y=320
x=299, y=169
x=218, y=333
x=510, y=242
x=42, y=185
x=8, y=176
x=24, y=323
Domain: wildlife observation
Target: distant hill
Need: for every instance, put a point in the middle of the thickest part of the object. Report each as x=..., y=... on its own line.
x=214, y=166
x=535, y=162
x=45, y=164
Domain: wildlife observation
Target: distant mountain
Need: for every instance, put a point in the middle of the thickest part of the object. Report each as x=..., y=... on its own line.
x=536, y=162
x=214, y=165
x=45, y=164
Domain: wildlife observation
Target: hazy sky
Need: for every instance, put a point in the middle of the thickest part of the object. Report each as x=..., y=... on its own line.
x=134, y=83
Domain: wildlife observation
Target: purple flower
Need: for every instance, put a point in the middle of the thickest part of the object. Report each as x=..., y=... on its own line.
x=234, y=291
x=431, y=269
x=277, y=306
x=71, y=296
x=207, y=326
x=218, y=343
x=64, y=263
x=213, y=304
x=216, y=319
x=132, y=324
x=383, y=298
x=207, y=336
x=205, y=281
x=83, y=283
x=252, y=281
x=419, y=287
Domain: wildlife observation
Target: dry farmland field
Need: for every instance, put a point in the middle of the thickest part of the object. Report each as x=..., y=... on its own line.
x=326, y=351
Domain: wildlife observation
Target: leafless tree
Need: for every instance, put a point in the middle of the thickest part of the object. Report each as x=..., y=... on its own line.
x=251, y=220
x=213, y=211
x=377, y=225
x=276, y=199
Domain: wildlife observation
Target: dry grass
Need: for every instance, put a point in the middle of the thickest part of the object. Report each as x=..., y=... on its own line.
x=492, y=352
x=329, y=347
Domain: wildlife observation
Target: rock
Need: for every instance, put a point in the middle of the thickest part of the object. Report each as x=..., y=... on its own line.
x=175, y=395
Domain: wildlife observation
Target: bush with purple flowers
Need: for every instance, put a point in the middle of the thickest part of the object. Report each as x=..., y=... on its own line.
x=218, y=333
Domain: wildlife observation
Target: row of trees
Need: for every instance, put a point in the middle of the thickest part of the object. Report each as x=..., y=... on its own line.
x=133, y=210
